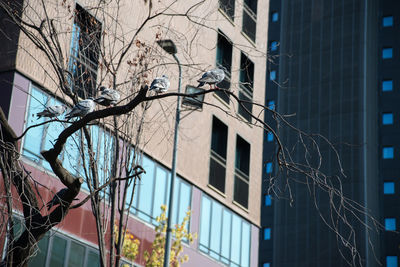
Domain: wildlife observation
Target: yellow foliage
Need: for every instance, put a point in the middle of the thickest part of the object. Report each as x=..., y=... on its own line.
x=155, y=258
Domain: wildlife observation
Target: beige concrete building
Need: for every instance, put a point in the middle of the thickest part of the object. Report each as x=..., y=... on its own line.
x=219, y=157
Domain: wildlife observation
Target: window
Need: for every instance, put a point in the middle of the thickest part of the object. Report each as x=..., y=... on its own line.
x=60, y=250
x=228, y=6
x=84, y=55
x=266, y=264
x=387, y=21
x=219, y=137
x=271, y=104
x=390, y=224
x=387, y=85
x=224, y=58
x=267, y=233
x=270, y=137
x=273, y=46
x=246, y=79
x=250, y=18
x=272, y=75
x=242, y=164
x=391, y=261
x=267, y=200
x=274, y=16
x=387, y=53
x=268, y=167
x=388, y=188
x=388, y=152
x=153, y=191
x=41, y=137
x=387, y=118
x=224, y=235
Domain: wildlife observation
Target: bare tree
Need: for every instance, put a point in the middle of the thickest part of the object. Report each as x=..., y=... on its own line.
x=126, y=57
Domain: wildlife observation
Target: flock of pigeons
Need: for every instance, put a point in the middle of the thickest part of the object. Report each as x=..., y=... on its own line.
x=110, y=97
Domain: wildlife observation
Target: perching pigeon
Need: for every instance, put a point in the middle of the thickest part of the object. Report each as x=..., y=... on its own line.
x=52, y=111
x=160, y=84
x=212, y=77
x=107, y=97
x=57, y=198
x=82, y=108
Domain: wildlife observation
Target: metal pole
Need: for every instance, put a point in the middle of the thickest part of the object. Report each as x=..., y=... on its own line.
x=174, y=158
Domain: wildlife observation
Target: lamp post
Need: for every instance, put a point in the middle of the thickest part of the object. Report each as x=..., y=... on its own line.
x=170, y=48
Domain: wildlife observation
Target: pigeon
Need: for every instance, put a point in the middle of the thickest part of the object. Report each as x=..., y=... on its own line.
x=107, y=97
x=82, y=108
x=52, y=111
x=212, y=77
x=160, y=84
x=58, y=198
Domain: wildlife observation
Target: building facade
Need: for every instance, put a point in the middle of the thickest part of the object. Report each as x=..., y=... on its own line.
x=335, y=71
x=219, y=153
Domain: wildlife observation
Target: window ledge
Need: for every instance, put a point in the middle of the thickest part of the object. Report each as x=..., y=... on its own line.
x=244, y=120
x=216, y=190
x=240, y=206
x=222, y=101
x=227, y=17
x=248, y=39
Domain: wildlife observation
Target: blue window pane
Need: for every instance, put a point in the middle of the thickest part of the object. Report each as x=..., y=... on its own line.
x=266, y=264
x=160, y=198
x=215, y=242
x=185, y=194
x=390, y=224
x=270, y=137
x=267, y=233
x=71, y=154
x=275, y=16
x=236, y=237
x=387, y=53
x=268, y=167
x=205, y=222
x=391, y=261
x=245, y=257
x=267, y=200
x=145, y=187
x=388, y=188
x=274, y=46
x=387, y=85
x=33, y=138
x=271, y=104
x=226, y=235
x=272, y=75
x=387, y=21
x=387, y=118
x=388, y=152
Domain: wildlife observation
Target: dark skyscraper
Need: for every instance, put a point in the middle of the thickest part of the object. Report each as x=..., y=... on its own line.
x=336, y=67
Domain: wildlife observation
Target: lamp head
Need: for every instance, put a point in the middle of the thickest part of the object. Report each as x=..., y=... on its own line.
x=168, y=46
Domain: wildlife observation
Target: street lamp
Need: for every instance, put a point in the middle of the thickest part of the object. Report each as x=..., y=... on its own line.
x=170, y=48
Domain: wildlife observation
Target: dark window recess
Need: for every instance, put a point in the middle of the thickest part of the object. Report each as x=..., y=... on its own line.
x=85, y=47
x=224, y=58
x=219, y=139
x=252, y=5
x=241, y=192
x=242, y=168
x=250, y=19
x=246, y=79
x=228, y=6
